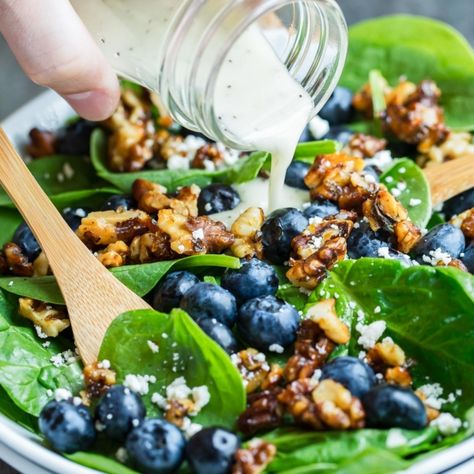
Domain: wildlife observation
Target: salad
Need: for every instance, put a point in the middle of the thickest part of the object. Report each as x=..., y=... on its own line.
x=333, y=337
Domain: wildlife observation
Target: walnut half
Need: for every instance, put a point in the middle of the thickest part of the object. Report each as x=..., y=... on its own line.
x=51, y=319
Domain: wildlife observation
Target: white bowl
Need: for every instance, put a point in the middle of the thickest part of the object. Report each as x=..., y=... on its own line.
x=22, y=449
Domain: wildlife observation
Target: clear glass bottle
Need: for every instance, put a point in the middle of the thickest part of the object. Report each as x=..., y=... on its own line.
x=197, y=53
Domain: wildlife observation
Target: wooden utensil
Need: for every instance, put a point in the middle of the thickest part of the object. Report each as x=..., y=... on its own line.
x=450, y=178
x=94, y=297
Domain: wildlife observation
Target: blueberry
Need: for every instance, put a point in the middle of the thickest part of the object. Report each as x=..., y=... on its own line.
x=321, y=208
x=73, y=216
x=351, y=372
x=156, y=447
x=446, y=237
x=296, y=173
x=468, y=257
x=364, y=242
x=267, y=320
x=208, y=301
x=167, y=295
x=278, y=231
x=338, y=109
x=460, y=203
x=76, y=138
x=339, y=134
x=66, y=426
x=254, y=278
x=118, y=201
x=25, y=239
x=390, y=406
x=217, y=198
x=212, y=450
x=220, y=334
x=119, y=411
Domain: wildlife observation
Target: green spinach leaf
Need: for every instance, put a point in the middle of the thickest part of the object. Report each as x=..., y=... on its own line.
x=27, y=373
x=139, y=278
x=410, y=186
x=244, y=170
x=184, y=350
x=309, y=150
x=418, y=48
x=10, y=219
x=429, y=312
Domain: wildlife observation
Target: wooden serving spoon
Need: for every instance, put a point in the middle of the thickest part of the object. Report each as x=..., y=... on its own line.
x=450, y=178
x=94, y=297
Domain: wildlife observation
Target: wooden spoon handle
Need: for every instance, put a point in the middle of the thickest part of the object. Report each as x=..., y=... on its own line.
x=87, y=286
x=450, y=178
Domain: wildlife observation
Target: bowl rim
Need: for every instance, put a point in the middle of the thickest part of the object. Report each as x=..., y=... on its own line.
x=50, y=111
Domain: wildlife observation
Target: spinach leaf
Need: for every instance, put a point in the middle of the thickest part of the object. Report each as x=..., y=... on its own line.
x=12, y=412
x=26, y=372
x=413, y=189
x=139, y=278
x=244, y=170
x=435, y=219
x=100, y=462
x=418, y=48
x=429, y=312
x=10, y=219
x=309, y=150
x=184, y=350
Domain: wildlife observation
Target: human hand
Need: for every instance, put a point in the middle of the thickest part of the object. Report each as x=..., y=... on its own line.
x=55, y=50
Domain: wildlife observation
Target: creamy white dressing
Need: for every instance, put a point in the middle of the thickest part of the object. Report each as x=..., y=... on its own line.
x=257, y=100
x=255, y=194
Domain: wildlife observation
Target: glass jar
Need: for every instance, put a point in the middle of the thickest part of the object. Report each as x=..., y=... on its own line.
x=185, y=50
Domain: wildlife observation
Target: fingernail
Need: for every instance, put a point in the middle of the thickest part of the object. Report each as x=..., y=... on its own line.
x=92, y=105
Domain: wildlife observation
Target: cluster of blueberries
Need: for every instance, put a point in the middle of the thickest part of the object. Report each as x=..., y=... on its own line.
x=246, y=299
x=152, y=445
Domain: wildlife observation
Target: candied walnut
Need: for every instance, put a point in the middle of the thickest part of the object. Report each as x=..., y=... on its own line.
x=194, y=235
x=246, y=230
x=336, y=407
x=42, y=143
x=324, y=315
x=382, y=210
x=467, y=225
x=312, y=348
x=296, y=398
x=455, y=146
x=431, y=413
x=263, y=412
x=41, y=265
x=108, y=227
x=151, y=198
x=455, y=263
x=362, y=101
x=255, y=458
x=114, y=255
x=17, y=263
x=151, y=247
x=407, y=235
x=365, y=146
x=416, y=117
x=177, y=410
x=207, y=157
x=97, y=379
x=386, y=353
x=255, y=370
x=52, y=319
x=398, y=376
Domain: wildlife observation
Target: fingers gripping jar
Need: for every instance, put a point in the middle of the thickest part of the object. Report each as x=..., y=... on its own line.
x=237, y=70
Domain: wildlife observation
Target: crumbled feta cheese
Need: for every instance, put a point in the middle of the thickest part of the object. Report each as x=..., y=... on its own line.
x=153, y=347
x=61, y=394
x=159, y=400
x=164, y=335
x=383, y=252
x=370, y=334
x=377, y=310
x=60, y=177
x=68, y=170
x=437, y=256
x=395, y=192
x=433, y=393
x=139, y=383
x=198, y=234
x=189, y=428
x=383, y=159
x=10, y=283
x=447, y=424
x=315, y=220
x=46, y=344
x=76, y=401
x=121, y=455
x=49, y=392
x=276, y=348
x=402, y=170
x=66, y=357
x=105, y=364
x=208, y=207
x=201, y=397
x=389, y=179
x=318, y=127
x=40, y=333
x=178, y=162
x=317, y=375
x=414, y=202
x=395, y=439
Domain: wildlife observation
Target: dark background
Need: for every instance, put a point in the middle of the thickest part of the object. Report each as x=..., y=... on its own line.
x=16, y=89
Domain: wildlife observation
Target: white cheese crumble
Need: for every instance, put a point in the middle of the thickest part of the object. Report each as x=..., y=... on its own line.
x=121, y=455
x=189, y=428
x=177, y=162
x=383, y=252
x=414, y=202
x=152, y=346
x=317, y=375
x=318, y=127
x=61, y=394
x=276, y=348
x=105, y=364
x=68, y=170
x=198, y=234
x=46, y=344
x=315, y=220
x=66, y=357
x=432, y=392
x=40, y=333
x=377, y=310
x=395, y=439
x=447, y=424
x=437, y=256
x=383, y=159
x=139, y=383
x=370, y=334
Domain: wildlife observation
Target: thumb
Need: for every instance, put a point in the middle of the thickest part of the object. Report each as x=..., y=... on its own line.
x=55, y=50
